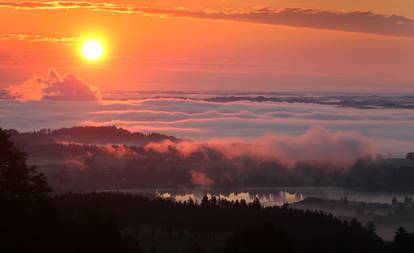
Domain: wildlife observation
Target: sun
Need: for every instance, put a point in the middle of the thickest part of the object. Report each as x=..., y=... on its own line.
x=92, y=50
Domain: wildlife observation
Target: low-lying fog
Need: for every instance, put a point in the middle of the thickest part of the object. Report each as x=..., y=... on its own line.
x=271, y=196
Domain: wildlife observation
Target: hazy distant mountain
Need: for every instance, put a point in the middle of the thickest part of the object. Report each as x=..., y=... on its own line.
x=88, y=135
x=361, y=101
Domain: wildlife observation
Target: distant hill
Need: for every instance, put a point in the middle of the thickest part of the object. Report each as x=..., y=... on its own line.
x=361, y=101
x=88, y=135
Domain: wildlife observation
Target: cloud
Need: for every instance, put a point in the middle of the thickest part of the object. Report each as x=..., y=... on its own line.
x=54, y=87
x=202, y=120
x=358, y=21
x=320, y=145
x=317, y=145
x=68, y=41
x=363, y=22
x=200, y=178
x=119, y=151
x=52, y=5
x=75, y=164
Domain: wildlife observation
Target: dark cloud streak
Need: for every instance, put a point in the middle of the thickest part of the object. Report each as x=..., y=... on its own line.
x=358, y=21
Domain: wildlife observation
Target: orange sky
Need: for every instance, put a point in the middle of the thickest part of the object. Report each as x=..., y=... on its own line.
x=230, y=45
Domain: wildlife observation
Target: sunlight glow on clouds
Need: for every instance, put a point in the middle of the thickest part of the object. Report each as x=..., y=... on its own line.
x=317, y=144
x=54, y=87
x=68, y=41
x=364, y=22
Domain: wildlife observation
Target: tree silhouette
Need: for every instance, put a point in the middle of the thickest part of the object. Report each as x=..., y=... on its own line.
x=153, y=249
x=402, y=241
x=371, y=227
x=410, y=156
x=205, y=202
x=195, y=248
x=401, y=234
x=259, y=238
x=17, y=179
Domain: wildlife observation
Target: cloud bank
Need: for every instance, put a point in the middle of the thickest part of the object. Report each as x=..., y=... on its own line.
x=268, y=160
x=317, y=145
x=55, y=87
x=361, y=22
x=358, y=21
x=390, y=130
x=276, y=158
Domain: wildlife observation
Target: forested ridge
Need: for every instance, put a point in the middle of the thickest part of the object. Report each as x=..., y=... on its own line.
x=80, y=159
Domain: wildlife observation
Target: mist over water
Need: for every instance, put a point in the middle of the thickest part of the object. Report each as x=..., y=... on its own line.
x=266, y=199
x=206, y=116
x=270, y=196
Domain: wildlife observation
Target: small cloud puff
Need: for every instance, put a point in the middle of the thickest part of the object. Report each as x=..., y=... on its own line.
x=54, y=87
x=200, y=178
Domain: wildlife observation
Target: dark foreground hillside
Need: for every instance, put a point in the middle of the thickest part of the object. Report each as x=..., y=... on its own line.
x=108, y=222
x=31, y=220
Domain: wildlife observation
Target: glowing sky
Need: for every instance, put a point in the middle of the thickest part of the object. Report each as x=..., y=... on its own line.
x=307, y=45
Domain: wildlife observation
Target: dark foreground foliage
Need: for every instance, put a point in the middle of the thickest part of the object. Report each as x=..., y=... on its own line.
x=32, y=221
x=108, y=222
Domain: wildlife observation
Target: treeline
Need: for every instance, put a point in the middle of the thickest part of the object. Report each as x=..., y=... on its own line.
x=87, y=135
x=385, y=174
x=109, y=222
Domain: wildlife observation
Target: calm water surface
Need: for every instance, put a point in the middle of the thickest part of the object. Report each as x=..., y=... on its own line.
x=270, y=196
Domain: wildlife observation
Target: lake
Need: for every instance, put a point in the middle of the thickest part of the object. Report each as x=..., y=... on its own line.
x=269, y=196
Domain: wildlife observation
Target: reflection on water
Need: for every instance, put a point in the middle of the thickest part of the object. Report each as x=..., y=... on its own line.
x=270, y=196
x=269, y=199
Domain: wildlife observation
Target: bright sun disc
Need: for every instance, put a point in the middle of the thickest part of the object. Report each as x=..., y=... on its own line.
x=92, y=50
